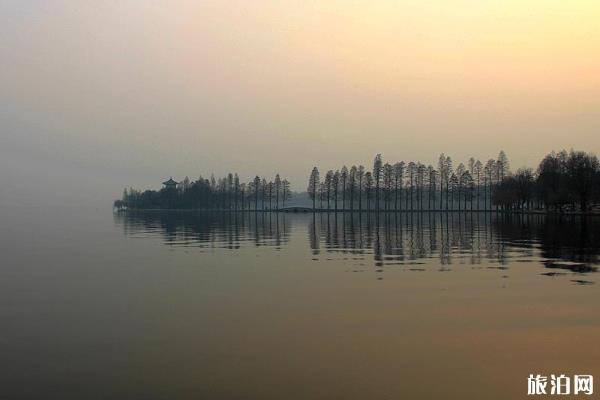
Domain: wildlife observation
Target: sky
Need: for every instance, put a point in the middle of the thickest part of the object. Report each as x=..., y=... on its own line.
x=98, y=96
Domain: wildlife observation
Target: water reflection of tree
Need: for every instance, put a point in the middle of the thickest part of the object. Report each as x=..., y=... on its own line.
x=394, y=238
x=463, y=238
x=229, y=230
x=568, y=238
x=389, y=238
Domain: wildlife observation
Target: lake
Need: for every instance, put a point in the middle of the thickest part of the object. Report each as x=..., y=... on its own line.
x=184, y=305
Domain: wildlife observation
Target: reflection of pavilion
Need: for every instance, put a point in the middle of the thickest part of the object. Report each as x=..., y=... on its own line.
x=389, y=238
x=209, y=229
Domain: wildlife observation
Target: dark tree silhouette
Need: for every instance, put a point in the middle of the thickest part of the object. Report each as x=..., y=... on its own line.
x=582, y=171
x=277, y=184
x=502, y=165
x=313, y=185
x=361, y=177
x=410, y=181
x=286, y=192
x=352, y=182
x=552, y=187
x=564, y=181
x=488, y=172
x=466, y=185
x=420, y=181
x=433, y=178
x=442, y=175
x=270, y=194
x=460, y=171
x=344, y=181
x=328, y=186
x=257, y=190
x=477, y=176
x=448, y=176
x=377, y=175
x=322, y=194
x=368, y=188
x=398, y=178
x=335, y=184
x=453, y=189
x=263, y=192
x=388, y=173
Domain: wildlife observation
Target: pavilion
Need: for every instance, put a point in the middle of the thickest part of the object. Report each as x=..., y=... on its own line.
x=170, y=184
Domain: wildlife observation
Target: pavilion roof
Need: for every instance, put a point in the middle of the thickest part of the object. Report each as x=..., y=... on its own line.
x=170, y=182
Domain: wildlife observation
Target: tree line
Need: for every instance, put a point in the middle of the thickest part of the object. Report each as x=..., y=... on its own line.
x=226, y=193
x=562, y=181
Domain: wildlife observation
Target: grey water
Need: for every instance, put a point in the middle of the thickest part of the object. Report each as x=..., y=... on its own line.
x=192, y=305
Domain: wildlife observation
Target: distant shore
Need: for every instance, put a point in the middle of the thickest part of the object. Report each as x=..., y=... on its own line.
x=305, y=210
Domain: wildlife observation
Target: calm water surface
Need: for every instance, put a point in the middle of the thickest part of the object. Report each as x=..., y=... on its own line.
x=96, y=305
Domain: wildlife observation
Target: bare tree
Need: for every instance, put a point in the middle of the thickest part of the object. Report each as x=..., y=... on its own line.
x=236, y=191
x=352, y=181
x=277, y=184
x=453, y=188
x=443, y=176
x=387, y=184
x=286, y=193
x=460, y=171
x=368, y=188
x=242, y=195
x=502, y=165
x=582, y=170
x=322, y=194
x=466, y=186
x=471, y=166
x=432, y=173
x=488, y=172
x=410, y=180
x=256, y=191
x=398, y=178
x=270, y=188
x=344, y=181
x=477, y=176
x=361, y=177
x=313, y=185
x=448, y=174
x=328, y=183
x=377, y=174
x=335, y=183
x=264, y=187
x=420, y=180
x=228, y=190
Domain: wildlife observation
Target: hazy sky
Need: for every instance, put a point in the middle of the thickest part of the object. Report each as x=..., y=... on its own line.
x=98, y=95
